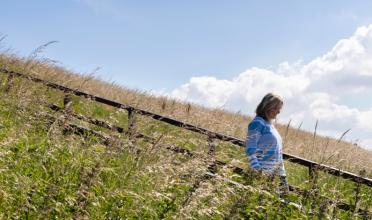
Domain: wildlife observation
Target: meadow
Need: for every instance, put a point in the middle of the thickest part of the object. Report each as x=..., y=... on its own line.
x=49, y=172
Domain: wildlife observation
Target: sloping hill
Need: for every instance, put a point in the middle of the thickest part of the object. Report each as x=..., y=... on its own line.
x=53, y=171
x=343, y=155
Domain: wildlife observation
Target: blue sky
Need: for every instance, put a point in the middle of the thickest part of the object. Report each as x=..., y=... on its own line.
x=226, y=54
x=153, y=45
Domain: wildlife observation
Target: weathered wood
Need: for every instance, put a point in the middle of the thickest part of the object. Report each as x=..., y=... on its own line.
x=67, y=101
x=79, y=130
x=93, y=121
x=357, y=192
x=314, y=191
x=131, y=123
x=212, y=146
x=328, y=169
x=9, y=83
x=313, y=175
x=180, y=150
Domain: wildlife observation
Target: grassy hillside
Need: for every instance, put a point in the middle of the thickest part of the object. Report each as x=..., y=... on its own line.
x=342, y=155
x=47, y=172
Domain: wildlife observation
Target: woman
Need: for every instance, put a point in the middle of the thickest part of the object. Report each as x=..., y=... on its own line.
x=264, y=144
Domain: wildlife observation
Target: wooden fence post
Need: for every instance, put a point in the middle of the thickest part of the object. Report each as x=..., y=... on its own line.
x=131, y=123
x=357, y=191
x=211, y=145
x=313, y=175
x=212, y=153
x=313, y=179
x=67, y=102
x=212, y=168
x=9, y=83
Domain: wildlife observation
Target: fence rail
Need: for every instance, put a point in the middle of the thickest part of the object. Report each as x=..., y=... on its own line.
x=292, y=158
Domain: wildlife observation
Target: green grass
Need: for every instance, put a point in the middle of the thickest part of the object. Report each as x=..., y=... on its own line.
x=45, y=173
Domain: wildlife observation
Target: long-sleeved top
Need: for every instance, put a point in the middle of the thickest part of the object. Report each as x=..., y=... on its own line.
x=264, y=147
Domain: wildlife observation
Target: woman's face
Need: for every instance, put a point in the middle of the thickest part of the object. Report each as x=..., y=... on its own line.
x=272, y=113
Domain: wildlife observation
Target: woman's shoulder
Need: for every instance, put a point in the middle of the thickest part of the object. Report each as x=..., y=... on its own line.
x=259, y=119
x=257, y=122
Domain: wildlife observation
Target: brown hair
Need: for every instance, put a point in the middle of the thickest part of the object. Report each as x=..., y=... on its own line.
x=268, y=102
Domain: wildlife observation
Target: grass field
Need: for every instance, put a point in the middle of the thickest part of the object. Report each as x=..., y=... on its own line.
x=46, y=172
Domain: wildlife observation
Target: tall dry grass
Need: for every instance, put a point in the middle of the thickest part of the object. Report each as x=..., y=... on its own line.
x=341, y=154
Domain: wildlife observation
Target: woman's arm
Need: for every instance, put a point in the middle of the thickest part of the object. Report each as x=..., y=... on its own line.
x=254, y=134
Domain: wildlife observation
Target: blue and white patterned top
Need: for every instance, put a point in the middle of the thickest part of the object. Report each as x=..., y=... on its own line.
x=264, y=147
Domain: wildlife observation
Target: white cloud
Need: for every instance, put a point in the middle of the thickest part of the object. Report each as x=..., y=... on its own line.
x=207, y=90
x=365, y=120
x=312, y=91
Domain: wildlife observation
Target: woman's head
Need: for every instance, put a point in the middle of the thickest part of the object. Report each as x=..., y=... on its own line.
x=269, y=107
